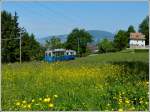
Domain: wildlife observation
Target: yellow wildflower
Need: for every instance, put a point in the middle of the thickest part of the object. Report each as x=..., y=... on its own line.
x=24, y=106
x=40, y=99
x=18, y=103
x=32, y=100
x=55, y=96
x=46, y=99
x=108, y=104
x=120, y=100
x=51, y=105
x=132, y=108
x=141, y=101
x=24, y=101
x=29, y=105
x=127, y=101
x=120, y=110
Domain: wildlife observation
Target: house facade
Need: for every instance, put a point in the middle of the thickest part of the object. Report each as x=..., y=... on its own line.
x=92, y=47
x=137, y=40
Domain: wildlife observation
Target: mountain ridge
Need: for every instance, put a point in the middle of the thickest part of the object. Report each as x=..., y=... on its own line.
x=97, y=36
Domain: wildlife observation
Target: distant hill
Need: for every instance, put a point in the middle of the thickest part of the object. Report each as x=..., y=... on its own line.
x=97, y=36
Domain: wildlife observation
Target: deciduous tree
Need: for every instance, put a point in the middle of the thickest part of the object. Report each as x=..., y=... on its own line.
x=105, y=46
x=53, y=43
x=77, y=40
x=120, y=40
x=144, y=28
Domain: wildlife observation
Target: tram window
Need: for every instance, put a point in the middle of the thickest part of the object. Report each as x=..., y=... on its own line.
x=60, y=53
x=49, y=54
x=53, y=53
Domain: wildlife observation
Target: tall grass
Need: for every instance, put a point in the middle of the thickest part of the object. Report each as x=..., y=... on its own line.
x=115, y=81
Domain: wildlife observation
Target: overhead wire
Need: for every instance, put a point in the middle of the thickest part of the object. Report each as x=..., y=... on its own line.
x=62, y=15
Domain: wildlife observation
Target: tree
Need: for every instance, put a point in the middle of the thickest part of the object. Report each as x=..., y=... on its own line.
x=10, y=40
x=130, y=30
x=144, y=28
x=53, y=43
x=77, y=40
x=10, y=30
x=120, y=40
x=105, y=46
x=30, y=47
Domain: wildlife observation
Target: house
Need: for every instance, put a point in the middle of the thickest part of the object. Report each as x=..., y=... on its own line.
x=92, y=47
x=137, y=40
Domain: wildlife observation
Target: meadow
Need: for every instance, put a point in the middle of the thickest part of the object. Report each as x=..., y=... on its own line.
x=113, y=81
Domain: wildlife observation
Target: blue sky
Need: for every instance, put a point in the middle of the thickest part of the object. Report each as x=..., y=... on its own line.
x=54, y=18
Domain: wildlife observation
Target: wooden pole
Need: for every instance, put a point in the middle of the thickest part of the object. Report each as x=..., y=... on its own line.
x=78, y=46
x=20, y=49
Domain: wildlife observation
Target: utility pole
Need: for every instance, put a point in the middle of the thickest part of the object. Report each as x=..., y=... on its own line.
x=78, y=46
x=20, y=48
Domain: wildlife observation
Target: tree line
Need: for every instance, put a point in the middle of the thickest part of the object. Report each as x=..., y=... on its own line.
x=77, y=40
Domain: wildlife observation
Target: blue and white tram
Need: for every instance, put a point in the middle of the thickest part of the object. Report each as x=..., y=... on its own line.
x=59, y=55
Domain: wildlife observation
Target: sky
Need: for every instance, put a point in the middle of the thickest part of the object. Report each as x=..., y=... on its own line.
x=55, y=18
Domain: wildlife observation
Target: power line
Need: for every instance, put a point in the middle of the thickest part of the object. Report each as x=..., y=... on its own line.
x=10, y=39
x=50, y=19
x=62, y=15
x=19, y=45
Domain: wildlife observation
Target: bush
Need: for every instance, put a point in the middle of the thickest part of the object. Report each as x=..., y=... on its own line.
x=106, y=46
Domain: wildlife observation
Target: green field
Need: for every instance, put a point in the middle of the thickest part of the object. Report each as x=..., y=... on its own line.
x=112, y=81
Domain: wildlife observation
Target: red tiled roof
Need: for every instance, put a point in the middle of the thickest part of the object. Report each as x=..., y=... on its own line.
x=137, y=36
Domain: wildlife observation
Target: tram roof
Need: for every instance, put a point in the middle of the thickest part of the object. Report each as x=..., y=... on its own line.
x=61, y=50
x=55, y=50
x=70, y=51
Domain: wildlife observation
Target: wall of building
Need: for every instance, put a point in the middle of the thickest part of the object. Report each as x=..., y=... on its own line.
x=137, y=42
